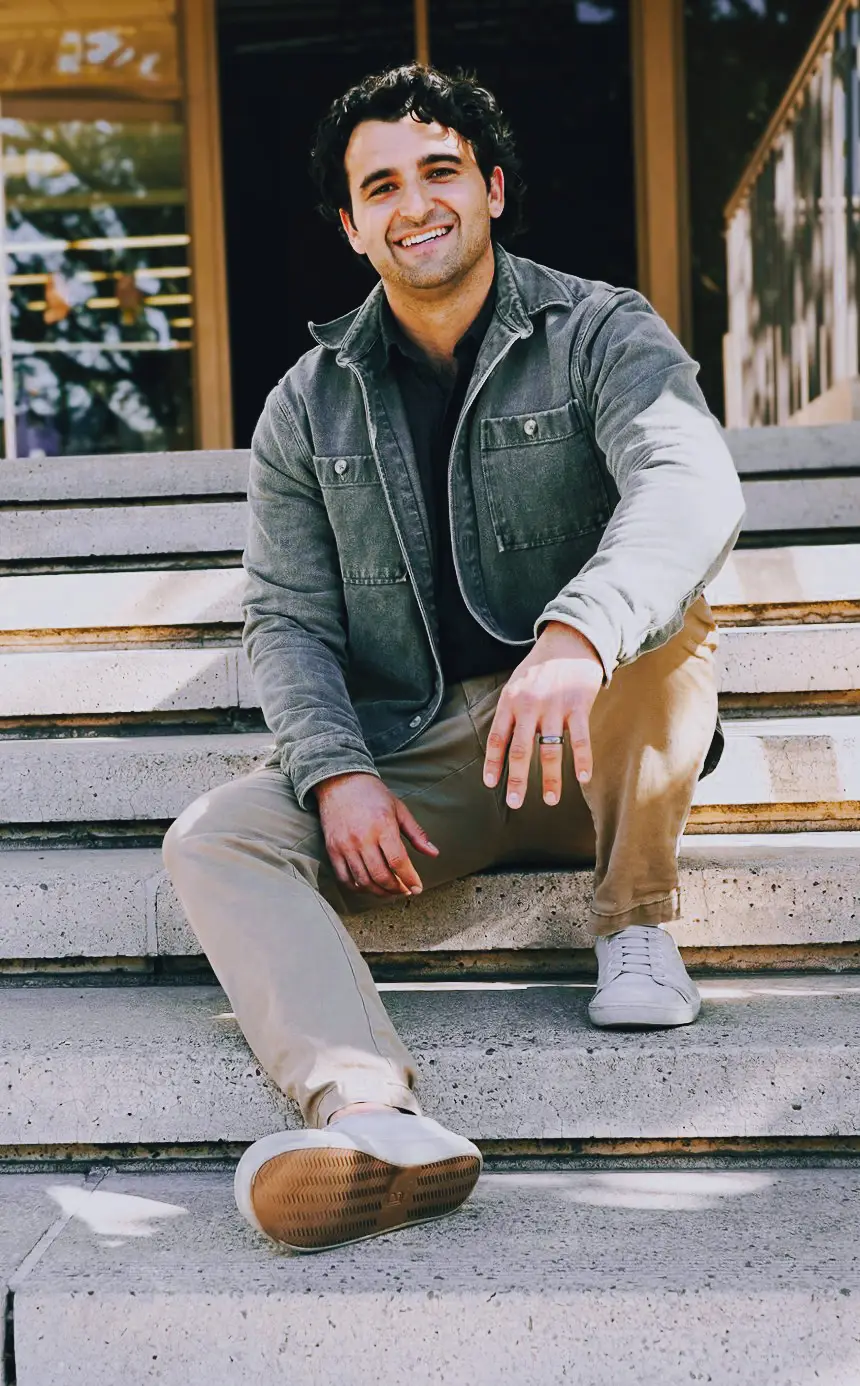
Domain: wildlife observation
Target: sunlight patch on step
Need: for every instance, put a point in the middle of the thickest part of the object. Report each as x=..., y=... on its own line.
x=668, y=1191
x=114, y=1215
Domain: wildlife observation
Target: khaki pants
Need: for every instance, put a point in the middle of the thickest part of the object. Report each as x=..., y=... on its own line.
x=252, y=873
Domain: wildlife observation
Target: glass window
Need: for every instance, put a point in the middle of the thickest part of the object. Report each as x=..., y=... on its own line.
x=97, y=327
x=752, y=49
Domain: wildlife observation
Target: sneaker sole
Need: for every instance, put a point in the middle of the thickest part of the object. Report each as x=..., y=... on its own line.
x=641, y=1017
x=315, y=1199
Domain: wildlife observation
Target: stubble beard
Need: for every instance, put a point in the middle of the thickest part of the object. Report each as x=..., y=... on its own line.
x=450, y=270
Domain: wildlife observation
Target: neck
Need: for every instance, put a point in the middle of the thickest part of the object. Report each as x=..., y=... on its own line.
x=436, y=319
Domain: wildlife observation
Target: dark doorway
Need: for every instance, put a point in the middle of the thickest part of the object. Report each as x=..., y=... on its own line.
x=561, y=72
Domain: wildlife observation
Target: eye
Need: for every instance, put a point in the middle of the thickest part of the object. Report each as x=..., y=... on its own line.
x=442, y=172
x=383, y=187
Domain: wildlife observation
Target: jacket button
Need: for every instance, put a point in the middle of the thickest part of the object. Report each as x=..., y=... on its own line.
x=530, y=427
x=416, y=722
x=340, y=466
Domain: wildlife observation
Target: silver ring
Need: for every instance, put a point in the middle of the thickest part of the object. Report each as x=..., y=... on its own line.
x=551, y=740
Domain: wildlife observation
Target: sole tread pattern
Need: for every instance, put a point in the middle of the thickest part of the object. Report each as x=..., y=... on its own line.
x=314, y=1199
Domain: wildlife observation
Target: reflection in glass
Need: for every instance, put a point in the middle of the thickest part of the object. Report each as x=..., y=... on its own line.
x=97, y=352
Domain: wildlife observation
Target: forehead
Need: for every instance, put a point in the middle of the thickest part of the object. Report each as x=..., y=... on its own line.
x=397, y=144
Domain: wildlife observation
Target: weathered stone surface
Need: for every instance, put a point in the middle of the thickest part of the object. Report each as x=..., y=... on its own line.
x=69, y=682
x=818, y=503
x=779, y=659
x=772, y=506
x=28, y=1209
x=816, y=573
x=102, y=532
x=768, y=1056
x=826, y=573
x=744, y=890
x=787, y=448
x=96, y=778
x=132, y=475
x=84, y=779
x=92, y=601
x=610, y=1279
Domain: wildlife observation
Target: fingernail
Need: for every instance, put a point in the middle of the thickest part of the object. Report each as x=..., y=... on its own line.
x=489, y=778
x=513, y=801
x=416, y=890
x=550, y=798
x=583, y=777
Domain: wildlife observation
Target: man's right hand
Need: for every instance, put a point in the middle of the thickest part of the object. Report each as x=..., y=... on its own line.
x=362, y=822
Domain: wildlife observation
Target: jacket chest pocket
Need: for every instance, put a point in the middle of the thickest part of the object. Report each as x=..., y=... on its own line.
x=366, y=539
x=542, y=479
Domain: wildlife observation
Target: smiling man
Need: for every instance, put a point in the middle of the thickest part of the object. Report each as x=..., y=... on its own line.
x=483, y=510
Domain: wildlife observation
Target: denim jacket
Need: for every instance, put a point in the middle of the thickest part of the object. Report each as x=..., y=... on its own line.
x=588, y=484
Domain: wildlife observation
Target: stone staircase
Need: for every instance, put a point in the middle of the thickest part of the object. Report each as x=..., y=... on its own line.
x=658, y=1208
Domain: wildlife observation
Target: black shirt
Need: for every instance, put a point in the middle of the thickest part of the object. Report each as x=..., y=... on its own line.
x=432, y=399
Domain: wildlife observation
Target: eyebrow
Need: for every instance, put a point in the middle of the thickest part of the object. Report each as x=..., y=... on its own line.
x=425, y=162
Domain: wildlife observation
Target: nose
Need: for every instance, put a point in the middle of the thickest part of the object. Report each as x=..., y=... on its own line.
x=415, y=201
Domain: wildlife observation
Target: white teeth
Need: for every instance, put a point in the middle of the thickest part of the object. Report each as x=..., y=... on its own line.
x=428, y=236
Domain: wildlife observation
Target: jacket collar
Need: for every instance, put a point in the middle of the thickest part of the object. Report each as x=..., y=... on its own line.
x=523, y=289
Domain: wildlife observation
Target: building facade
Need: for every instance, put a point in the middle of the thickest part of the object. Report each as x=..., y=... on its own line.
x=160, y=254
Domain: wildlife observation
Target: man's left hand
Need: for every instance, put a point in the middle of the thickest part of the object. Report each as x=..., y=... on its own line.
x=553, y=690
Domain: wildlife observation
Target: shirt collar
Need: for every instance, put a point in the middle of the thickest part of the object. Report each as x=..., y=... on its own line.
x=469, y=344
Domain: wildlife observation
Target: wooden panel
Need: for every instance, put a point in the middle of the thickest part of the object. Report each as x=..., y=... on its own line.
x=660, y=147
x=213, y=404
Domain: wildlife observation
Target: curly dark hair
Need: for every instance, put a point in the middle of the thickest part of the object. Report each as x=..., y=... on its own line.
x=454, y=100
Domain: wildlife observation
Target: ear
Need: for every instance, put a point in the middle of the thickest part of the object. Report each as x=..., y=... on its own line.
x=354, y=238
x=496, y=193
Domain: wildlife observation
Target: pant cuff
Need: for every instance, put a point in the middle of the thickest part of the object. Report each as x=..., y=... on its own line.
x=661, y=911
x=331, y=1099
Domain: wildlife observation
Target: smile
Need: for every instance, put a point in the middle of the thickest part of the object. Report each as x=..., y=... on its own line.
x=426, y=236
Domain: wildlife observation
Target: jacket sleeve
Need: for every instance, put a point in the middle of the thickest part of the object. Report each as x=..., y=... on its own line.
x=294, y=622
x=681, y=504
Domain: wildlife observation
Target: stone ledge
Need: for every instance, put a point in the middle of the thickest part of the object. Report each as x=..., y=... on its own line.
x=771, y=762
x=739, y=891
x=636, y=1278
x=130, y=1065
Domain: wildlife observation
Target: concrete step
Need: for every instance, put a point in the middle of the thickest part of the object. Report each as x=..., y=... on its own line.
x=756, y=452
x=669, y=1276
x=110, y=531
x=195, y=526
x=117, y=1066
x=804, y=659
x=762, y=584
x=129, y=476
x=782, y=449
x=818, y=581
x=745, y=891
x=810, y=503
x=770, y=765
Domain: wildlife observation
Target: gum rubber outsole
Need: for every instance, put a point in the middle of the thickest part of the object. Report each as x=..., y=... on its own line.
x=314, y=1199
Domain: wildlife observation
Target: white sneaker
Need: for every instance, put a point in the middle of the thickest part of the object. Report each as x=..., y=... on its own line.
x=367, y=1174
x=642, y=980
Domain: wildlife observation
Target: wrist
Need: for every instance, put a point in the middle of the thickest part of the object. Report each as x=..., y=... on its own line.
x=333, y=782
x=560, y=631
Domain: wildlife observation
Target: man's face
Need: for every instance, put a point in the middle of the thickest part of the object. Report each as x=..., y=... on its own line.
x=407, y=180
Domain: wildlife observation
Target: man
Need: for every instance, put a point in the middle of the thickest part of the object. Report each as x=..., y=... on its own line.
x=482, y=512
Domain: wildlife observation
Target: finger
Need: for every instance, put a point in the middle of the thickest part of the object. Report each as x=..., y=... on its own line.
x=398, y=862
x=341, y=870
x=413, y=831
x=361, y=876
x=520, y=758
x=380, y=872
x=551, y=759
x=580, y=743
x=497, y=743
